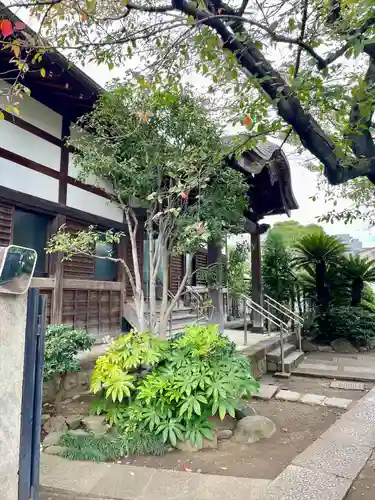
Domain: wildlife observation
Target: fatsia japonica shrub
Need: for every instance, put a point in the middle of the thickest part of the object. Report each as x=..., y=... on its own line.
x=171, y=388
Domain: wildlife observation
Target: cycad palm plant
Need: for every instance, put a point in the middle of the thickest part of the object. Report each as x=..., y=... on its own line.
x=320, y=251
x=359, y=270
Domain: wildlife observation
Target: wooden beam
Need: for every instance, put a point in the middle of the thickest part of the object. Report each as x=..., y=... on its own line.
x=83, y=284
x=34, y=203
x=56, y=271
x=64, y=162
x=256, y=279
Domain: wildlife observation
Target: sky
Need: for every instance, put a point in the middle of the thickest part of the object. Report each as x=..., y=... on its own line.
x=304, y=182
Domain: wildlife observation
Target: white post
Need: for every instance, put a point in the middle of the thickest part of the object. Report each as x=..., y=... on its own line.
x=12, y=349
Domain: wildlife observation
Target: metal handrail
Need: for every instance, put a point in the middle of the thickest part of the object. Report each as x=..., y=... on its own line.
x=280, y=307
x=290, y=314
x=271, y=318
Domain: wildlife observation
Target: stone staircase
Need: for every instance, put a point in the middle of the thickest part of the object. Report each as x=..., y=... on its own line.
x=292, y=357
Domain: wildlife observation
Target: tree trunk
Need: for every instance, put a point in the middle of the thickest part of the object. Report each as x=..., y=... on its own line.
x=357, y=290
x=164, y=315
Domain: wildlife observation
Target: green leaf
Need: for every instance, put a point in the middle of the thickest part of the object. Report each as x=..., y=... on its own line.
x=43, y=72
x=2, y=117
x=172, y=437
x=222, y=411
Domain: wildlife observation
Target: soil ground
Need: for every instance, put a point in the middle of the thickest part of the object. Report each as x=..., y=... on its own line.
x=298, y=426
x=363, y=487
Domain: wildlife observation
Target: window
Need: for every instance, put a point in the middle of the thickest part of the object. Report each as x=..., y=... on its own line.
x=105, y=269
x=30, y=230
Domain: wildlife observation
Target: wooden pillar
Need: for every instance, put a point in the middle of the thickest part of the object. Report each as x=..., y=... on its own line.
x=56, y=271
x=215, y=291
x=256, y=279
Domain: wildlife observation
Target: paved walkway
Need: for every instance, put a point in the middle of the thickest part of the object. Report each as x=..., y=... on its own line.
x=133, y=483
x=324, y=471
x=359, y=366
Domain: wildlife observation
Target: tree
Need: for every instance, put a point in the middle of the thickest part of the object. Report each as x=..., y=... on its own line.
x=160, y=151
x=320, y=92
x=291, y=231
x=320, y=252
x=278, y=279
x=359, y=271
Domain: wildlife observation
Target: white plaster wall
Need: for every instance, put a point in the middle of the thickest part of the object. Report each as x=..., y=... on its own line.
x=28, y=181
x=92, y=203
x=35, y=113
x=28, y=145
x=73, y=171
x=12, y=348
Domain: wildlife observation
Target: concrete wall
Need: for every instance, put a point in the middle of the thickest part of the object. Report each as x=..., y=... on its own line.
x=12, y=347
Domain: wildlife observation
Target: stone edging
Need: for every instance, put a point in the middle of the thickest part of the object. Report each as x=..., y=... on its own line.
x=324, y=471
x=327, y=469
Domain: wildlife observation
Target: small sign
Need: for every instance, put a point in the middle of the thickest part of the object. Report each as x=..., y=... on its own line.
x=17, y=265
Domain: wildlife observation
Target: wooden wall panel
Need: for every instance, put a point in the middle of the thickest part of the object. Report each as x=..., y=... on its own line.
x=79, y=266
x=48, y=295
x=176, y=272
x=97, y=311
x=6, y=224
x=200, y=260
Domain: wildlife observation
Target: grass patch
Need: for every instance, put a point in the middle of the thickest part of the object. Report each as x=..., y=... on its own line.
x=109, y=448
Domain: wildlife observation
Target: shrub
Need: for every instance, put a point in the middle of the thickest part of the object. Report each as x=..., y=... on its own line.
x=111, y=447
x=170, y=388
x=62, y=345
x=353, y=323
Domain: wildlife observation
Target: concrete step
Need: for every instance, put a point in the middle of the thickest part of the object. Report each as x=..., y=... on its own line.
x=275, y=355
x=290, y=362
x=178, y=315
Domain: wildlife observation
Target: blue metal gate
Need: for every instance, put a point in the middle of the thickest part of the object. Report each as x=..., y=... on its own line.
x=32, y=392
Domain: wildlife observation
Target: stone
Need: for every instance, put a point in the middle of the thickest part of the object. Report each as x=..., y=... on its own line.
x=252, y=429
x=50, y=389
x=52, y=439
x=343, y=345
x=288, y=396
x=45, y=418
x=228, y=422
x=73, y=421
x=55, y=450
x=363, y=348
x=55, y=424
x=266, y=392
x=246, y=411
x=224, y=434
x=337, y=403
x=298, y=483
x=308, y=346
x=186, y=446
x=313, y=399
x=347, y=385
x=334, y=456
x=70, y=381
x=96, y=425
x=324, y=348
x=76, y=397
x=78, y=433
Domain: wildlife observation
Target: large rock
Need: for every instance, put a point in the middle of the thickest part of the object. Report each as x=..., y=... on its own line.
x=55, y=450
x=228, y=422
x=55, y=424
x=73, y=421
x=344, y=346
x=325, y=348
x=208, y=444
x=96, y=425
x=246, y=411
x=78, y=433
x=308, y=346
x=52, y=439
x=224, y=434
x=252, y=429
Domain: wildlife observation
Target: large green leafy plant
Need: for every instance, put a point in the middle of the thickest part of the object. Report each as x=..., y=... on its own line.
x=171, y=388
